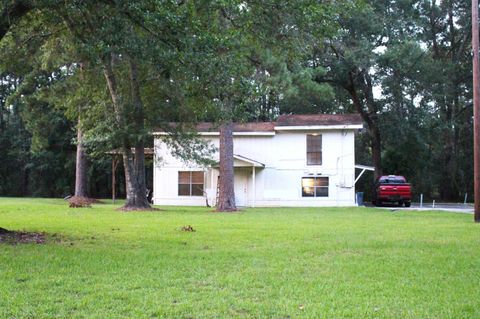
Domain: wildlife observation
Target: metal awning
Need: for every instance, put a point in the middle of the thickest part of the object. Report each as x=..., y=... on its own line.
x=363, y=168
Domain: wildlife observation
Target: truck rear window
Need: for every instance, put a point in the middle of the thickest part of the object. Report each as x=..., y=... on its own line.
x=392, y=180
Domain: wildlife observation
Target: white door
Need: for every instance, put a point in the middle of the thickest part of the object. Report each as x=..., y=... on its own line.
x=241, y=180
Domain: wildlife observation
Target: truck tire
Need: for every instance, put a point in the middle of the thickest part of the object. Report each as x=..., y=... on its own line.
x=407, y=204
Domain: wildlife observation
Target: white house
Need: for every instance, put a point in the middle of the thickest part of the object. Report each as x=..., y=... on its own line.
x=299, y=160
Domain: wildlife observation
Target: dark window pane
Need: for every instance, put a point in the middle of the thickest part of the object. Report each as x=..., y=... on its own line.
x=314, y=143
x=190, y=183
x=321, y=181
x=197, y=190
x=183, y=177
x=197, y=177
x=314, y=158
x=310, y=158
x=314, y=149
x=184, y=189
x=308, y=192
x=321, y=191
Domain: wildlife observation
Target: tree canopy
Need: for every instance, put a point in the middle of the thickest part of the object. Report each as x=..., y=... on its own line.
x=99, y=67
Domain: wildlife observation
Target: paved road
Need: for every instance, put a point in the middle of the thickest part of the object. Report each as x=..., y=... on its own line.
x=449, y=207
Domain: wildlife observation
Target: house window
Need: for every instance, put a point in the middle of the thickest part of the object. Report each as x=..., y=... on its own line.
x=190, y=183
x=315, y=187
x=314, y=149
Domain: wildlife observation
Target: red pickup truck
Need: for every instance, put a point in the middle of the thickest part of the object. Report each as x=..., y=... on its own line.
x=392, y=189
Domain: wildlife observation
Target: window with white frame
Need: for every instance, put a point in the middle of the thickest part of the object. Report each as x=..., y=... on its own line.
x=315, y=186
x=314, y=149
x=190, y=183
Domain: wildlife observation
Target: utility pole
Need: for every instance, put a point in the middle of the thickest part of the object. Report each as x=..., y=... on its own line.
x=476, y=110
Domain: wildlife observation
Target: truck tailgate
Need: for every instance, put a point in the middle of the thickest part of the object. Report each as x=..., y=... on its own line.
x=391, y=190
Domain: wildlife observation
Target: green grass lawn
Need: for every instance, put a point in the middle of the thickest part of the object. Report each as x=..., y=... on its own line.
x=259, y=263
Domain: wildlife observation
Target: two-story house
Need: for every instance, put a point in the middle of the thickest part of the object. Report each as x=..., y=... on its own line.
x=299, y=160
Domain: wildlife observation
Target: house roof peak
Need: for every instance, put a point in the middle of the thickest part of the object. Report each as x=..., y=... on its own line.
x=287, y=122
x=319, y=119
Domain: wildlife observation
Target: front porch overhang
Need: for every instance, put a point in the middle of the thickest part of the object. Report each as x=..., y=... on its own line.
x=242, y=161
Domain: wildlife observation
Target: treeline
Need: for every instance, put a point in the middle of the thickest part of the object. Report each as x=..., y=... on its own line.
x=102, y=74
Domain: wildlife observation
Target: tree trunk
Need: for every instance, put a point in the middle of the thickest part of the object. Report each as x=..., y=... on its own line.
x=376, y=146
x=372, y=126
x=81, y=166
x=135, y=188
x=136, y=199
x=140, y=187
x=226, y=195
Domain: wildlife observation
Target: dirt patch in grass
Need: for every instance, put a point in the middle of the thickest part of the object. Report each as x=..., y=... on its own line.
x=229, y=211
x=21, y=237
x=133, y=209
x=81, y=202
x=188, y=228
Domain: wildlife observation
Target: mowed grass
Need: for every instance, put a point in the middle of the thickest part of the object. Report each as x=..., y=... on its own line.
x=258, y=263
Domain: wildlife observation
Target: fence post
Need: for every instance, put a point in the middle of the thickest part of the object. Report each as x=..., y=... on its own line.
x=421, y=200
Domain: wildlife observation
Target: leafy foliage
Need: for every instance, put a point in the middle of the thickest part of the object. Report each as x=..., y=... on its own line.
x=406, y=64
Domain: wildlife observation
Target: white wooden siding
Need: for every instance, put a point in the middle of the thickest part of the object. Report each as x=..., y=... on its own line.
x=279, y=182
